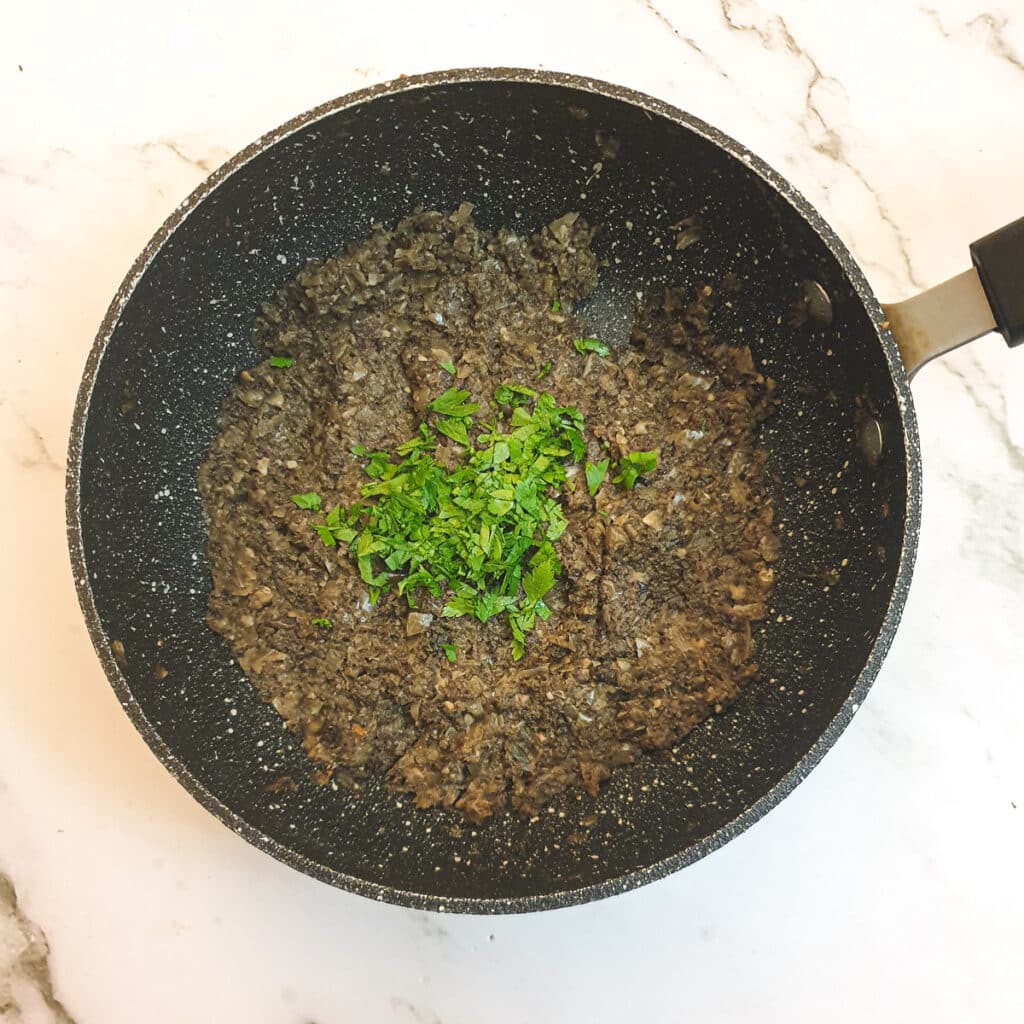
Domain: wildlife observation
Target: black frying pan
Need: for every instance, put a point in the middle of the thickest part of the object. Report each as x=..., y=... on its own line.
x=522, y=147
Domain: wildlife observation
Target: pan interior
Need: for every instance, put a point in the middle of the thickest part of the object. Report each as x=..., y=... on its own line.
x=523, y=153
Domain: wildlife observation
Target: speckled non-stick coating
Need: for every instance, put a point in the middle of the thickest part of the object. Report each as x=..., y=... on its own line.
x=522, y=146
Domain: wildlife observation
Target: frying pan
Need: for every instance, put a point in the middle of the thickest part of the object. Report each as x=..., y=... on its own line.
x=524, y=148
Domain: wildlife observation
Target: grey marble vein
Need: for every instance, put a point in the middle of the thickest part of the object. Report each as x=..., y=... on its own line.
x=992, y=27
x=902, y=243
x=40, y=454
x=202, y=163
x=432, y=927
x=989, y=539
x=687, y=41
x=25, y=979
x=42, y=177
x=989, y=534
x=997, y=420
x=419, y=1014
x=776, y=36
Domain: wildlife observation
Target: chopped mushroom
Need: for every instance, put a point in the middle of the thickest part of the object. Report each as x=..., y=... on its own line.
x=645, y=630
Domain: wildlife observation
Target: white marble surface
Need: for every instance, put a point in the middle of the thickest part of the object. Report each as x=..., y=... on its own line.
x=887, y=887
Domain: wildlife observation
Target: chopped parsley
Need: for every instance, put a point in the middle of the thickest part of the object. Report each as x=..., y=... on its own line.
x=310, y=500
x=449, y=652
x=482, y=533
x=555, y=306
x=633, y=465
x=595, y=473
x=544, y=370
x=583, y=345
x=449, y=367
x=322, y=623
x=282, y=361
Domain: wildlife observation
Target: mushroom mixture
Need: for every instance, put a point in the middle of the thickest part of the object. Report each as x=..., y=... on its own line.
x=646, y=627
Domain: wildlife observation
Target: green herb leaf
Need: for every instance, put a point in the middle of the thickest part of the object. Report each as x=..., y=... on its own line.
x=424, y=441
x=377, y=467
x=457, y=606
x=583, y=345
x=448, y=367
x=513, y=394
x=544, y=370
x=595, y=473
x=282, y=361
x=455, y=429
x=453, y=403
x=555, y=306
x=633, y=466
x=310, y=501
x=326, y=534
x=322, y=623
x=577, y=445
x=449, y=652
x=538, y=581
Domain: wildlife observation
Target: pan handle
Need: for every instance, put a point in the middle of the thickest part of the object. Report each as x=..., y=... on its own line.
x=989, y=297
x=999, y=261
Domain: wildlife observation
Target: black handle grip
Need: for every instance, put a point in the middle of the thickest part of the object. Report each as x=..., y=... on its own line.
x=999, y=260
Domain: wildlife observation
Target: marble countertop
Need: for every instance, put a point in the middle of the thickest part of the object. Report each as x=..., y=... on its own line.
x=887, y=887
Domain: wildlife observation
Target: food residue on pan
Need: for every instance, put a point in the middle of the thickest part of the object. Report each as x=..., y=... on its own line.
x=458, y=541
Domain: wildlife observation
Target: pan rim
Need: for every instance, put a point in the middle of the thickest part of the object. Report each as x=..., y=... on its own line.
x=639, y=876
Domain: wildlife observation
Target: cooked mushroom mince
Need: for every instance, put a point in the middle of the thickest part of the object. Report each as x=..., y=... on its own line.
x=458, y=541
